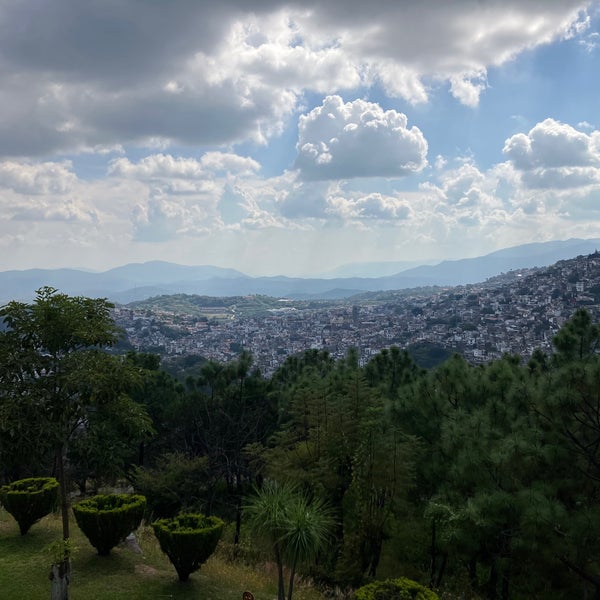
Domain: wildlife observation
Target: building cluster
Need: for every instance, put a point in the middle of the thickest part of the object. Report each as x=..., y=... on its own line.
x=513, y=313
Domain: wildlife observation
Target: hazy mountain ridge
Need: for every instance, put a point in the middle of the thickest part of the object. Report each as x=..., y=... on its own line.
x=142, y=280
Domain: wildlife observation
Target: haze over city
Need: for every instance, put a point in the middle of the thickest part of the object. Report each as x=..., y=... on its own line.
x=292, y=137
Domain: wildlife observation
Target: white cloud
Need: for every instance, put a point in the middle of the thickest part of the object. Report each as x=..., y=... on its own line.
x=70, y=211
x=37, y=178
x=373, y=206
x=77, y=79
x=227, y=162
x=357, y=139
x=555, y=155
x=157, y=166
x=467, y=87
x=165, y=166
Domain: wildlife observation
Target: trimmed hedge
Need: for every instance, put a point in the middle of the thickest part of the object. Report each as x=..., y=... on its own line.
x=188, y=540
x=28, y=500
x=395, y=589
x=108, y=519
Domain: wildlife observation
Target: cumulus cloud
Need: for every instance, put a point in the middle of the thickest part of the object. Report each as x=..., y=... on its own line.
x=331, y=202
x=467, y=197
x=555, y=155
x=227, y=162
x=78, y=76
x=340, y=140
x=157, y=166
x=71, y=211
x=373, y=206
x=40, y=178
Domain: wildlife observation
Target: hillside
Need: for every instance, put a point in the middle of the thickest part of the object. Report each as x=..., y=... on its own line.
x=144, y=280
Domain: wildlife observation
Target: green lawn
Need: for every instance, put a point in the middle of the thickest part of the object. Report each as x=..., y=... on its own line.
x=25, y=565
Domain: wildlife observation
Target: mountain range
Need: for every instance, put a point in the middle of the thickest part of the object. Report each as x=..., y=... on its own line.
x=138, y=281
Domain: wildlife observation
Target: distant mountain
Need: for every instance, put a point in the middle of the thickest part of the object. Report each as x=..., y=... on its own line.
x=122, y=284
x=143, y=280
x=372, y=269
x=474, y=270
x=157, y=271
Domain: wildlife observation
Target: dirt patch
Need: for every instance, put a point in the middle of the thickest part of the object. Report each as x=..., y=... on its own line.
x=145, y=570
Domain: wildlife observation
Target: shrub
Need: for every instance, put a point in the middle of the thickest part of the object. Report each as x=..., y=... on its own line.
x=188, y=540
x=395, y=589
x=108, y=519
x=28, y=500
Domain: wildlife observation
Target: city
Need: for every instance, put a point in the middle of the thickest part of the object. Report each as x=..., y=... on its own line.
x=513, y=313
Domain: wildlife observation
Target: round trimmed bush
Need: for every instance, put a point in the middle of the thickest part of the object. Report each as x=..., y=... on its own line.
x=28, y=500
x=107, y=519
x=188, y=540
x=395, y=589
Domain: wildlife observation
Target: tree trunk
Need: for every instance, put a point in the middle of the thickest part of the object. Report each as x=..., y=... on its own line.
x=291, y=585
x=64, y=495
x=472, y=568
x=505, y=587
x=238, y=509
x=59, y=577
x=440, y=574
x=375, y=556
x=493, y=582
x=433, y=555
x=281, y=585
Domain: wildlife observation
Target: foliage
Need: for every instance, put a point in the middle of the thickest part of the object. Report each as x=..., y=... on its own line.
x=55, y=373
x=337, y=440
x=123, y=575
x=107, y=520
x=28, y=500
x=395, y=589
x=188, y=540
x=295, y=528
x=104, y=449
x=60, y=551
x=176, y=484
x=483, y=479
x=227, y=412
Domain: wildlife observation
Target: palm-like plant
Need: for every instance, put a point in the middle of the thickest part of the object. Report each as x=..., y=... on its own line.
x=296, y=528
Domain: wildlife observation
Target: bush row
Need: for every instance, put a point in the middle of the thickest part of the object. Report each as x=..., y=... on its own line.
x=107, y=519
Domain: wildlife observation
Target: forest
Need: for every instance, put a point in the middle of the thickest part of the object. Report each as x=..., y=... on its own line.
x=476, y=481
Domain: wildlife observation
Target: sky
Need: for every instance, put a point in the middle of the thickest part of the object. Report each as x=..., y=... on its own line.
x=292, y=137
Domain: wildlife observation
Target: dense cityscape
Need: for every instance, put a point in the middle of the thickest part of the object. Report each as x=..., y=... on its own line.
x=513, y=313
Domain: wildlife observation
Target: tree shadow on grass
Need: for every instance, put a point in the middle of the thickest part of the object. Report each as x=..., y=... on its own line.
x=37, y=538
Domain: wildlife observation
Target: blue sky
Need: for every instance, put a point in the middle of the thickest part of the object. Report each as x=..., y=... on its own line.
x=293, y=137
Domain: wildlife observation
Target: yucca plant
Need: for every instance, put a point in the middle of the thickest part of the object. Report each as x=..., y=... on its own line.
x=295, y=528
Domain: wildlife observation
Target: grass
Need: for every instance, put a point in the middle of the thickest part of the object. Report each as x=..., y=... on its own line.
x=124, y=574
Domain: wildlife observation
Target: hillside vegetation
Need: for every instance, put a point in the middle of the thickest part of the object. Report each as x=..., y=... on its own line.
x=476, y=481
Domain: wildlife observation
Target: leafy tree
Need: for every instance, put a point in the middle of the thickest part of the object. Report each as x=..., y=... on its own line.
x=578, y=339
x=176, y=484
x=568, y=411
x=106, y=447
x=54, y=372
x=338, y=442
x=162, y=397
x=227, y=413
x=390, y=369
